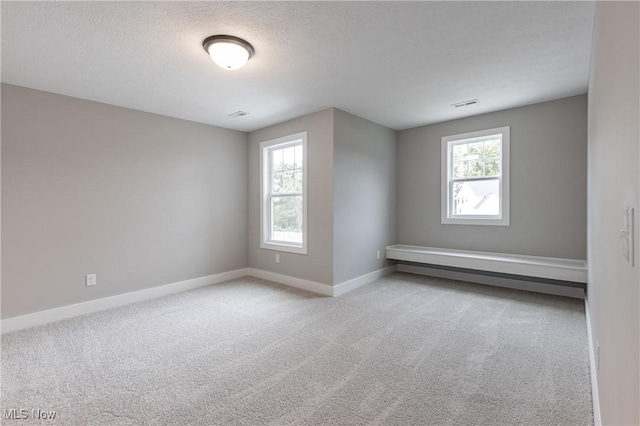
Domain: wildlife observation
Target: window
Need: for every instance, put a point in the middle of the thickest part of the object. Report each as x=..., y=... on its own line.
x=475, y=178
x=283, y=196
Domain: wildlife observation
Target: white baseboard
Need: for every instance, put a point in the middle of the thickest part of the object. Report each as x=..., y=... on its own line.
x=70, y=311
x=324, y=289
x=495, y=281
x=64, y=312
x=347, y=286
x=595, y=395
x=312, y=286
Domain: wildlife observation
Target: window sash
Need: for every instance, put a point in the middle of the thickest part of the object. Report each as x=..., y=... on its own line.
x=453, y=180
x=282, y=147
x=452, y=212
x=271, y=238
x=482, y=139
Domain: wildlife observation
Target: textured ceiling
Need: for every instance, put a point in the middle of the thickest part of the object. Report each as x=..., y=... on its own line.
x=400, y=64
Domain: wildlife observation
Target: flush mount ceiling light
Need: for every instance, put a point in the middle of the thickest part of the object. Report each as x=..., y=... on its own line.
x=228, y=52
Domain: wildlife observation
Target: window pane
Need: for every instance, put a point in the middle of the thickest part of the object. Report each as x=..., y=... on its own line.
x=492, y=156
x=286, y=216
x=288, y=181
x=460, y=169
x=475, y=150
x=289, y=157
x=474, y=168
x=460, y=152
x=277, y=159
x=477, y=198
x=276, y=172
x=298, y=156
x=492, y=167
x=298, y=181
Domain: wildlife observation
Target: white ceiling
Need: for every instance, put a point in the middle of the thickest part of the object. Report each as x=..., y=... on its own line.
x=400, y=64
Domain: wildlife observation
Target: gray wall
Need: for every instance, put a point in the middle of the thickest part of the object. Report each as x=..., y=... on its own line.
x=614, y=182
x=317, y=264
x=139, y=199
x=548, y=183
x=364, y=195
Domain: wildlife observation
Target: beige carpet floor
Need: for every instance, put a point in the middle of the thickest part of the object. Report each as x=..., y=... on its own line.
x=405, y=350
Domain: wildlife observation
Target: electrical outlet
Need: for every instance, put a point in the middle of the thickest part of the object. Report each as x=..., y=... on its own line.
x=277, y=258
x=627, y=234
x=378, y=254
x=597, y=355
x=91, y=280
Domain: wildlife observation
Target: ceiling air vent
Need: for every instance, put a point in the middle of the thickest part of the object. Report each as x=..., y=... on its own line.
x=238, y=114
x=465, y=103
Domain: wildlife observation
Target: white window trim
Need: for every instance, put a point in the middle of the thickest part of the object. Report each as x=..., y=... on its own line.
x=264, y=194
x=445, y=202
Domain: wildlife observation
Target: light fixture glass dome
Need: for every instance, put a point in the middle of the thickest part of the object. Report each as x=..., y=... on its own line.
x=228, y=52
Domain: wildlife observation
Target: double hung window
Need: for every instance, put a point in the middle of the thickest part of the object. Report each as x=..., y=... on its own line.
x=283, y=201
x=475, y=178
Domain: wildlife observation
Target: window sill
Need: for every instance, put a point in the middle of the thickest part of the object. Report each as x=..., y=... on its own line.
x=475, y=221
x=284, y=247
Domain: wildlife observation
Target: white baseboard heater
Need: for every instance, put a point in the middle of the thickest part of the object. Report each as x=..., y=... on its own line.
x=568, y=272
